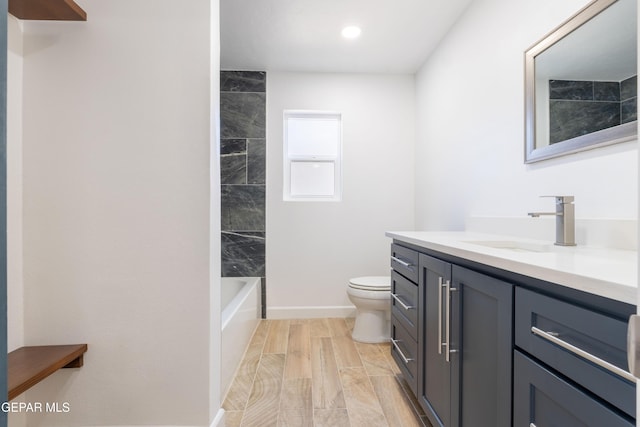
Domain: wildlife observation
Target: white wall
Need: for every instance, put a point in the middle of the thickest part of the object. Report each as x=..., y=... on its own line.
x=116, y=211
x=215, y=268
x=15, y=288
x=470, y=115
x=638, y=235
x=15, y=277
x=313, y=248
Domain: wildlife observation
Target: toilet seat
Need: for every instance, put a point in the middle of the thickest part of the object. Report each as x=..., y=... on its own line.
x=371, y=283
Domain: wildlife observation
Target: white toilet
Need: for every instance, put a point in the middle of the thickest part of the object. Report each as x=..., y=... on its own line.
x=371, y=296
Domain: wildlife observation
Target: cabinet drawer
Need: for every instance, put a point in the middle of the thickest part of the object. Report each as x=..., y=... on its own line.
x=404, y=302
x=404, y=350
x=557, y=332
x=405, y=261
x=542, y=399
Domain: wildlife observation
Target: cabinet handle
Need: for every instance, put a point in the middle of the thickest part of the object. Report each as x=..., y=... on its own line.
x=532, y=425
x=397, y=347
x=449, y=302
x=448, y=289
x=399, y=301
x=401, y=262
x=440, y=343
x=552, y=337
x=446, y=320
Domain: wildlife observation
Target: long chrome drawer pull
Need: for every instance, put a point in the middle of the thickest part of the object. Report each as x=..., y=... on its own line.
x=532, y=425
x=401, y=262
x=447, y=325
x=395, y=344
x=449, y=349
x=549, y=336
x=440, y=343
x=399, y=301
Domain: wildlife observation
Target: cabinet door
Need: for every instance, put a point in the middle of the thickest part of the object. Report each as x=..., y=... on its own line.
x=482, y=319
x=434, y=377
x=543, y=399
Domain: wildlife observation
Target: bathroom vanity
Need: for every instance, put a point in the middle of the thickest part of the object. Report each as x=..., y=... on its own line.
x=492, y=331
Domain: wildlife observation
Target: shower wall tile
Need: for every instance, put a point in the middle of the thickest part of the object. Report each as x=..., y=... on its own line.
x=574, y=113
x=569, y=119
x=629, y=96
x=243, y=254
x=243, y=166
x=256, y=161
x=243, y=81
x=606, y=91
x=242, y=115
x=233, y=168
x=243, y=207
x=570, y=89
x=233, y=161
x=233, y=145
x=629, y=88
x=629, y=110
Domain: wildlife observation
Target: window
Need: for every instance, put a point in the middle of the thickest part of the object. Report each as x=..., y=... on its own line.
x=312, y=156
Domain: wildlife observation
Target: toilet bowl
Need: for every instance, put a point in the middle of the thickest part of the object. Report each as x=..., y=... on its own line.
x=371, y=296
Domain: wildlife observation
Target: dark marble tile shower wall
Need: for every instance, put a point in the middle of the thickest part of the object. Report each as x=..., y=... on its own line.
x=242, y=175
x=580, y=107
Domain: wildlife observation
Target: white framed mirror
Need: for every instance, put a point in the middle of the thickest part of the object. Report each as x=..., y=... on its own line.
x=581, y=82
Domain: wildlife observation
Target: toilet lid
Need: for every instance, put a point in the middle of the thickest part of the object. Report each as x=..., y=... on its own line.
x=371, y=283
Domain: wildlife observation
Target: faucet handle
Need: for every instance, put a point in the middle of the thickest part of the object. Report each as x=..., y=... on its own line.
x=562, y=199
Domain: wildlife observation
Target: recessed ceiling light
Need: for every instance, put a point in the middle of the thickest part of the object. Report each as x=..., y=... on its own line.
x=351, y=32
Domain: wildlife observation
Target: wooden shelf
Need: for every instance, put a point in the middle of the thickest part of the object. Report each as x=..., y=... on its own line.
x=27, y=366
x=47, y=10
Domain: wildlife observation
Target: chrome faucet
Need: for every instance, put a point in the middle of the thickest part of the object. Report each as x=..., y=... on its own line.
x=565, y=220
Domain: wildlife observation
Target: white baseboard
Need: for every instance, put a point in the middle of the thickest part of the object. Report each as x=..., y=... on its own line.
x=313, y=312
x=218, y=421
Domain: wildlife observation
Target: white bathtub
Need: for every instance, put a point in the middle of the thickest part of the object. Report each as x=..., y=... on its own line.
x=240, y=304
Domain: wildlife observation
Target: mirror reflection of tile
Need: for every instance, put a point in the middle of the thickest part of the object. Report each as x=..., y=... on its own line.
x=578, y=107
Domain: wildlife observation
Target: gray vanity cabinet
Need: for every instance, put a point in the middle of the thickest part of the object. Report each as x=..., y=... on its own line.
x=466, y=346
x=485, y=347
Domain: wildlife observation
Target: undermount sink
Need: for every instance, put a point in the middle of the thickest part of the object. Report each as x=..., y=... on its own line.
x=514, y=245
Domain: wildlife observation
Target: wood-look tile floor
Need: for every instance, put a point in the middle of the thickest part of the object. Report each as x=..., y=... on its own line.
x=311, y=373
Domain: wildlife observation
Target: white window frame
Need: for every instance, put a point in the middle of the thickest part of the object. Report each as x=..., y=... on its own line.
x=289, y=159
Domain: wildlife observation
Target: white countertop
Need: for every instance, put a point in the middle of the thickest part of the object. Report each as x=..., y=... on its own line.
x=610, y=273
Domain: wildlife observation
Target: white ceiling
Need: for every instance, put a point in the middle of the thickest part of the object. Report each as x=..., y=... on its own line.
x=304, y=35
